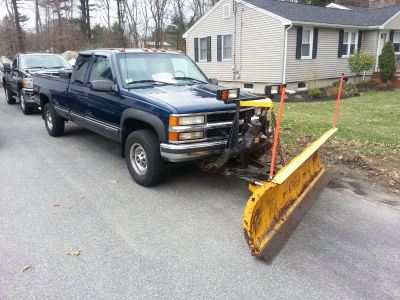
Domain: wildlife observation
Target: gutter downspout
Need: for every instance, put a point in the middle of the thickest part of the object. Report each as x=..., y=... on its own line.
x=285, y=54
x=234, y=6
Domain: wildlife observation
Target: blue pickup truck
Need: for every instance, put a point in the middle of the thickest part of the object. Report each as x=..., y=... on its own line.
x=158, y=104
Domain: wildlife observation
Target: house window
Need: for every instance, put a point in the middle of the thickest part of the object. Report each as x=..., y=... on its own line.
x=226, y=10
x=248, y=86
x=203, y=49
x=301, y=85
x=349, y=43
x=396, y=42
x=227, y=47
x=306, y=43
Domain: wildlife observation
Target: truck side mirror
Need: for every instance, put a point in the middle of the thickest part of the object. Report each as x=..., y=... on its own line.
x=6, y=68
x=102, y=86
x=213, y=81
x=66, y=73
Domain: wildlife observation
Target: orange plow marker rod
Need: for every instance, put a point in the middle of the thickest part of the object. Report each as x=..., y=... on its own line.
x=338, y=100
x=271, y=172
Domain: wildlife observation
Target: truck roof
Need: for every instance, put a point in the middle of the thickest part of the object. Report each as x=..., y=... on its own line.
x=38, y=53
x=129, y=50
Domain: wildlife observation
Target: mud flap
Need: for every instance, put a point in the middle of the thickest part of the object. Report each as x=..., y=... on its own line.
x=275, y=209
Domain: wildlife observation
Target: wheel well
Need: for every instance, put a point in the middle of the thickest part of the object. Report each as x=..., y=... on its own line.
x=43, y=100
x=132, y=125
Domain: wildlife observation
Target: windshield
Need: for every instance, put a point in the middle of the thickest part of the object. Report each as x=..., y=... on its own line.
x=138, y=69
x=43, y=62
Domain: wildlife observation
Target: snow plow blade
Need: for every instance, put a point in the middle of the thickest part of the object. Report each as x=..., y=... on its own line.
x=275, y=208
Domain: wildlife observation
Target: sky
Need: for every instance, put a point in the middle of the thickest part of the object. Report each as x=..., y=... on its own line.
x=26, y=7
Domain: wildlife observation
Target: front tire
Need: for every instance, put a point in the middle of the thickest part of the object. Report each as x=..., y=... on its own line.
x=142, y=155
x=26, y=109
x=9, y=96
x=54, y=123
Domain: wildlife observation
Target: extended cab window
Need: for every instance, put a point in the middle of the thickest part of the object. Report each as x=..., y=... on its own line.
x=101, y=69
x=82, y=65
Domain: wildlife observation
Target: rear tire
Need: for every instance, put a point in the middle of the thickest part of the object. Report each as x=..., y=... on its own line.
x=142, y=155
x=26, y=109
x=54, y=123
x=9, y=96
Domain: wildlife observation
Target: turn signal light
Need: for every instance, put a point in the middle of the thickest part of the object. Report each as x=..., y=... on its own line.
x=173, y=136
x=173, y=121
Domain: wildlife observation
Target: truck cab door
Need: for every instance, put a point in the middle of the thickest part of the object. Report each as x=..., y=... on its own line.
x=103, y=109
x=79, y=89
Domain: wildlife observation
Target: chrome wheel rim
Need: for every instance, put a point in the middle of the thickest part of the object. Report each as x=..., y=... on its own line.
x=49, y=120
x=138, y=159
x=22, y=101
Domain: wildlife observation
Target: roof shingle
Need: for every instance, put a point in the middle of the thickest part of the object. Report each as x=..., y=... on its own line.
x=315, y=14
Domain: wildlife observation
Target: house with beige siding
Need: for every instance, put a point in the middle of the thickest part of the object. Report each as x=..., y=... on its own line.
x=250, y=43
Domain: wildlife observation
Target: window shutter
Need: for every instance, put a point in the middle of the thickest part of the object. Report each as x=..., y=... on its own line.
x=391, y=35
x=360, y=34
x=219, y=47
x=209, y=48
x=340, y=47
x=196, y=49
x=299, y=41
x=315, y=43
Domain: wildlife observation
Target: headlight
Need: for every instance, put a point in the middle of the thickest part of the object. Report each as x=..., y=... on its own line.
x=27, y=83
x=194, y=135
x=192, y=120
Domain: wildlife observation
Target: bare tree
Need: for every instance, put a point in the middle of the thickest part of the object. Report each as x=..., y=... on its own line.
x=20, y=34
x=105, y=5
x=132, y=13
x=158, y=10
x=200, y=7
x=145, y=22
x=85, y=19
x=38, y=25
x=121, y=21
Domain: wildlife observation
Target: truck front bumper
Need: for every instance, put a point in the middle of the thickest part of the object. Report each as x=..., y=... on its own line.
x=189, y=152
x=29, y=97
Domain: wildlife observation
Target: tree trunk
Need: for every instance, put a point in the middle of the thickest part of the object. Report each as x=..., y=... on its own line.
x=60, y=28
x=37, y=25
x=89, y=32
x=84, y=19
x=18, y=28
x=120, y=23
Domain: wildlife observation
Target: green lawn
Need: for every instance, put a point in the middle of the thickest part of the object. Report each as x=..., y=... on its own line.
x=368, y=136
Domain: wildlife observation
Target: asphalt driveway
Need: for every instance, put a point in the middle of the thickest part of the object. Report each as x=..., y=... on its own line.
x=182, y=239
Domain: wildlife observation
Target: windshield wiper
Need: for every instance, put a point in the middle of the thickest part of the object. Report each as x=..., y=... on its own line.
x=147, y=81
x=57, y=67
x=189, y=78
x=35, y=68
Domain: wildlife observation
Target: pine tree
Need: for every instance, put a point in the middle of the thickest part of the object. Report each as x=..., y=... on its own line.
x=387, y=62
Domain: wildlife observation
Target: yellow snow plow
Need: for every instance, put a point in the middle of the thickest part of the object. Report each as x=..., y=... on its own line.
x=281, y=194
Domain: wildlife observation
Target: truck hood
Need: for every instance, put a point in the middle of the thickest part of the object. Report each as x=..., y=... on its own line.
x=188, y=99
x=42, y=71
